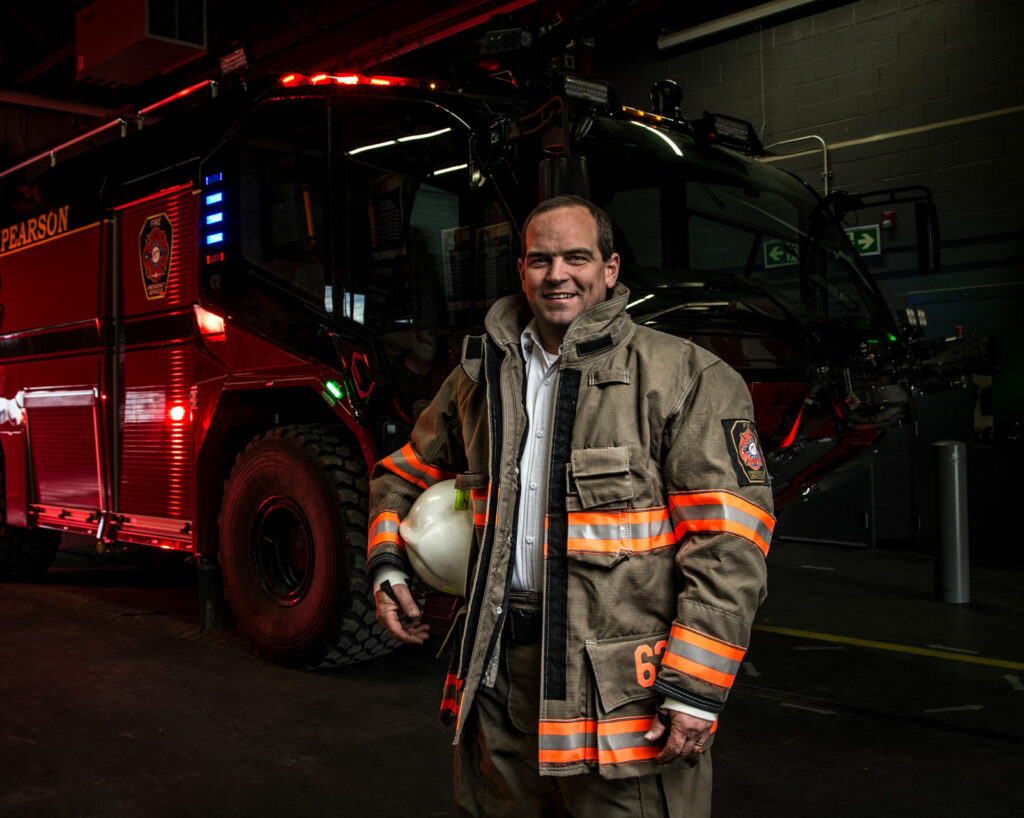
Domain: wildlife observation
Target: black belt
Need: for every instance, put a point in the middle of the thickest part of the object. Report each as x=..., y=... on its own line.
x=525, y=626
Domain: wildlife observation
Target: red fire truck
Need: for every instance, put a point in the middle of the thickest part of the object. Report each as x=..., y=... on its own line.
x=211, y=328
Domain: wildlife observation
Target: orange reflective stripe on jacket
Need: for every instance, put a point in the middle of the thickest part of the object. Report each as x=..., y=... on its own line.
x=721, y=511
x=606, y=741
x=384, y=529
x=451, y=700
x=480, y=506
x=610, y=532
x=703, y=657
x=407, y=465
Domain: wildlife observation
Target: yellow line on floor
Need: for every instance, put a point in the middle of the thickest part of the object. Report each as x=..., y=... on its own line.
x=868, y=643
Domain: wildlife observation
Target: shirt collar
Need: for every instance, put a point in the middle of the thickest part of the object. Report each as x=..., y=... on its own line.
x=530, y=342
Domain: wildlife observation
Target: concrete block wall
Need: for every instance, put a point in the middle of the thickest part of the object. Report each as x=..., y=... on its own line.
x=904, y=92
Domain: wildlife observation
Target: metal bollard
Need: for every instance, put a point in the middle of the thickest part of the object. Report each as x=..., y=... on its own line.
x=952, y=566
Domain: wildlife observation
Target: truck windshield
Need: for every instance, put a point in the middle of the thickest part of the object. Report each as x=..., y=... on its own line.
x=703, y=233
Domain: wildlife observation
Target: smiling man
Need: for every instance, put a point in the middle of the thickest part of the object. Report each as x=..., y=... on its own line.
x=620, y=542
x=566, y=269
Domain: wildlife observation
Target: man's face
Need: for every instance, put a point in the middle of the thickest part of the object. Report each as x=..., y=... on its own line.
x=562, y=270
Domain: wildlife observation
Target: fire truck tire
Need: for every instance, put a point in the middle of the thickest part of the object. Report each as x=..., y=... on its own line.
x=293, y=549
x=26, y=554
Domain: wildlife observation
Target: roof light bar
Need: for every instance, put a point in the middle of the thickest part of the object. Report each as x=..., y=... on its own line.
x=593, y=91
x=735, y=133
x=350, y=79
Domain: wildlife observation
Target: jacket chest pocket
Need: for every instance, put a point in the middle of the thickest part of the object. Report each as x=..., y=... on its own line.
x=599, y=478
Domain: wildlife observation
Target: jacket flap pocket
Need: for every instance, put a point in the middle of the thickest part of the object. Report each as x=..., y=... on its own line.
x=600, y=476
x=624, y=668
x=606, y=376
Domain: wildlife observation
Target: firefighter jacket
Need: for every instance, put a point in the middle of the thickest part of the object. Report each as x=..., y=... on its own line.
x=658, y=524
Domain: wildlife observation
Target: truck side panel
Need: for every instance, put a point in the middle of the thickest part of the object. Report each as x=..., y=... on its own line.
x=52, y=345
x=158, y=249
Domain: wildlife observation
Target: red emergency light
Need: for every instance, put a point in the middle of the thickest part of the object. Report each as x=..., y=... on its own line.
x=351, y=79
x=211, y=325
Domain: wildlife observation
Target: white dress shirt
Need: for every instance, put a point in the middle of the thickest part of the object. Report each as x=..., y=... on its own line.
x=541, y=368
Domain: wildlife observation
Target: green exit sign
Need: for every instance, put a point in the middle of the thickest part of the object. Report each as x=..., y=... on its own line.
x=866, y=239
x=779, y=253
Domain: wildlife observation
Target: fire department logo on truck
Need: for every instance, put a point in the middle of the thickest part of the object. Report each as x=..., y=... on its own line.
x=748, y=459
x=155, y=244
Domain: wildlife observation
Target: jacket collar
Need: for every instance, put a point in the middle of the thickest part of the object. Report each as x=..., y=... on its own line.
x=603, y=326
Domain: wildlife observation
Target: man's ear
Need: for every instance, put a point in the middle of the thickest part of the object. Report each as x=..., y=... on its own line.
x=611, y=270
x=519, y=266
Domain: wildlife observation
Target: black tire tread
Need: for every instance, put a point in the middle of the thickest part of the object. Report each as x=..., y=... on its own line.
x=358, y=636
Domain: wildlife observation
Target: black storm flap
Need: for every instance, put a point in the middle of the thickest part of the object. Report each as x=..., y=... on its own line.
x=493, y=356
x=556, y=586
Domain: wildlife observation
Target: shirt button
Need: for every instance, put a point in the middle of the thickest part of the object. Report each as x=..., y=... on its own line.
x=529, y=540
x=540, y=433
x=547, y=381
x=497, y=609
x=533, y=486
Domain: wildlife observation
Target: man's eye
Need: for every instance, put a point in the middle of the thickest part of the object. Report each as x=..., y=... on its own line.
x=539, y=262
x=578, y=259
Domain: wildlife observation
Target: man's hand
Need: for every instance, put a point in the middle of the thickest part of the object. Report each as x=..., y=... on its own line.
x=686, y=735
x=400, y=618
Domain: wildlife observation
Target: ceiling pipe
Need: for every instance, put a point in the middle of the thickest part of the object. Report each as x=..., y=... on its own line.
x=68, y=106
x=740, y=18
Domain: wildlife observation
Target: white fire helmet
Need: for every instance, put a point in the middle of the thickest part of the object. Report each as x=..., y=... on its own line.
x=438, y=534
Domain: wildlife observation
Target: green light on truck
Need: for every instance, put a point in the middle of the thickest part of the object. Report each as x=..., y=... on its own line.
x=333, y=388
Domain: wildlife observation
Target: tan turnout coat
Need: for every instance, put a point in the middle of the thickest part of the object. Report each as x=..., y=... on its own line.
x=659, y=521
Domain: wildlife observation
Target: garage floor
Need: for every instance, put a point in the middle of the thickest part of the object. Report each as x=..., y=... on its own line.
x=860, y=696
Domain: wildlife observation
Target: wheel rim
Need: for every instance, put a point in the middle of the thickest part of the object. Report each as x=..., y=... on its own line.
x=282, y=550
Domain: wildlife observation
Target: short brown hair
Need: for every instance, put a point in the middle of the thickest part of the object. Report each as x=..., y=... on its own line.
x=605, y=240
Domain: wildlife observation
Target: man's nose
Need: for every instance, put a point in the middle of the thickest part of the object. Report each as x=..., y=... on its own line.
x=558, y=270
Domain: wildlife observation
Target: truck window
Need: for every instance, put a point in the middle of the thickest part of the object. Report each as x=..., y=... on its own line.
x=283, y=185
x=422, y=251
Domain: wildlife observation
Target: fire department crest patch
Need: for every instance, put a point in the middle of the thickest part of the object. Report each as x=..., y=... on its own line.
x=745, y=448
x=155, y=245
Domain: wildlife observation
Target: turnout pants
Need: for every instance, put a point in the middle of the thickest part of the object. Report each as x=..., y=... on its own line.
x=496, y=772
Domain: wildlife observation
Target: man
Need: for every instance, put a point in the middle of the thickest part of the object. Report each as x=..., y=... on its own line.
x=622, y=512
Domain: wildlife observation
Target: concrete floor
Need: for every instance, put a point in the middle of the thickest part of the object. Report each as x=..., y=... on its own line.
x=860, y=696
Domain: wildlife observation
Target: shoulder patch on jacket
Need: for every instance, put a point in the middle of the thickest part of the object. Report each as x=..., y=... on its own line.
x=747, y=457
x=472, y=356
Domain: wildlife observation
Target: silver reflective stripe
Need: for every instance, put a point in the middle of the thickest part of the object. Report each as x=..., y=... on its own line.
x=720, y=511
x=622, y=741
x=382, y=525
x=570, y=742
x=703, y=657
x=411, y=468
x=624, y=530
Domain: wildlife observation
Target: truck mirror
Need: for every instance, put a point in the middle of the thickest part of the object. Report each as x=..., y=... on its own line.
x=563, y=174
x=927, y=223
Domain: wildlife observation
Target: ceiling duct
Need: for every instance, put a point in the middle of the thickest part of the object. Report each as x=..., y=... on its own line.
x=124, y=42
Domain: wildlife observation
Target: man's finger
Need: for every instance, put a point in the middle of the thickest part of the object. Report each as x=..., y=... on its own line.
x=657, y=729
x=406, y=602
x=390, y=615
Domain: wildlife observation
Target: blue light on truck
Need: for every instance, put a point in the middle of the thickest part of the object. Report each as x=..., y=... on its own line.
x=214, y=238
x=214, y=198
x=215, y=218
x=216, y=177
